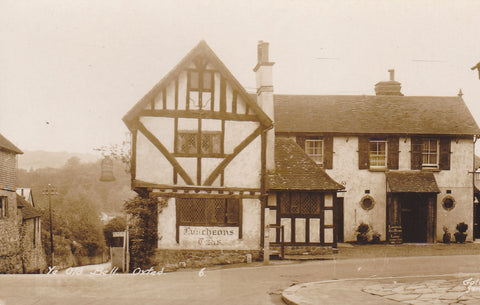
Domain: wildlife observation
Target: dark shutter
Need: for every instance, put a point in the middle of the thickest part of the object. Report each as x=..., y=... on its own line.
x=416, y=153
x=445, y=153
x=328, y=153
x=301, y=141
x=232, y=211
x=363, y=155
x=392, y=150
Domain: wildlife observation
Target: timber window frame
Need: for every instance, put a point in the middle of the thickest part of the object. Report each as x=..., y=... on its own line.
x=378, y=152
x=315, y=150
x=391, y=155
x=430, y=153
x=3, y=206
x=327, y=148
x=218, y=212
x=200, y=89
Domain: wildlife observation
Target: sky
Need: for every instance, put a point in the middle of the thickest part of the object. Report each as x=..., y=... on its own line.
x=70, y=70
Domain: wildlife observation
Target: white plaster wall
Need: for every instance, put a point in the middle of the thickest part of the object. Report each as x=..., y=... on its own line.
x=460, y=183
x=345, y=170
x=250, y=237
x=245, y=169
x=162, y=129
x=152, y=166
x=182, y=91
x=236, y=132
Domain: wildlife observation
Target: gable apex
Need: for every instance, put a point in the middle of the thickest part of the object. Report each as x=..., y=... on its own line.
x=195, y=56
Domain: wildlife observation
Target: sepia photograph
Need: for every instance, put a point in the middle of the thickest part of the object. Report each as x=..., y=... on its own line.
x=239, y=152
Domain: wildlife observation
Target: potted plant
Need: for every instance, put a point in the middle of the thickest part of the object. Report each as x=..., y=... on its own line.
x=362, y=233
x=461, y=236
x=446, y=235
x=376, y=237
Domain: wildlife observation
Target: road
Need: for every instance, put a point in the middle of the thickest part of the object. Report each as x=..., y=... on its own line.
x=245, y=285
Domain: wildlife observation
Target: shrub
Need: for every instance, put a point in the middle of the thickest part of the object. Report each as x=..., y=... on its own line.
x=362, y=233
x=461, y=236
x=446, y=235
x=376, y=237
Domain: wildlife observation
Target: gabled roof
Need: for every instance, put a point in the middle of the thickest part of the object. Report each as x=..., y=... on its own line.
x=202, y=49
x=295, y=170
x=411, y=182
x=366, y=114
x=7, y=145
x=28, y=211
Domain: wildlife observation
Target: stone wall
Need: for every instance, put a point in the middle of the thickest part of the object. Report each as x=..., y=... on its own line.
x=33, y=255
x=10, y=260
x=202, y=258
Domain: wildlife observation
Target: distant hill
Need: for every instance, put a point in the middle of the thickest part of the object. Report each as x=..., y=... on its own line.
x=41, y=159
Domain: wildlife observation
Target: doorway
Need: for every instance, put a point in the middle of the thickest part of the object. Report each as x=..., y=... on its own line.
x=414, y=219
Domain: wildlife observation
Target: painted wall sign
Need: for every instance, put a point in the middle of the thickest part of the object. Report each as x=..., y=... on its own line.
x=207, y=237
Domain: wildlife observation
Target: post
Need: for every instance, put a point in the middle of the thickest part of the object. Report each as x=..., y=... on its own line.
x=49, y=192
x=266, y=246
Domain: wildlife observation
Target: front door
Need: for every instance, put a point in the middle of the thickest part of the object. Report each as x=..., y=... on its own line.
x=418, y=218
x=339, y=220
x=476, y=220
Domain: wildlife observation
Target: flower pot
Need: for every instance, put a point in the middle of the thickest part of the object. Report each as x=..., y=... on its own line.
x=460, y=237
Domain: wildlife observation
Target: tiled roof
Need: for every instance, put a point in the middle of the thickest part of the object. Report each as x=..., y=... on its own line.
x=295, y=170
x=411, y=182
x=7, y=145
x=28, y=211
x=367, y=114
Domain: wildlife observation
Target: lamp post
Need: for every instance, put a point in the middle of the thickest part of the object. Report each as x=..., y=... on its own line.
x=49, y=191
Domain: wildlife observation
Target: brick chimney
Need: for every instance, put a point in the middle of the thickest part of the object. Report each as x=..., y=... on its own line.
x=391, y=87
x=263, y=71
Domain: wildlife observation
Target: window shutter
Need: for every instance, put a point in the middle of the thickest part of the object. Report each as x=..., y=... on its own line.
x=301, y=141
x=328, y=152
x=416, y=153
x=445, y=153
x=392, y=150
x=363, y=155
x=232, y=211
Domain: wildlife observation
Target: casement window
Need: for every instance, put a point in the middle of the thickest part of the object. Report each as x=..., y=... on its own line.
x=300, y=203
x=208, y=211
x=3, y=206
x=375, y=153
x=378, y=153
x=430, y=153
x=187, y=142
x=320, y=149
x=200, y=89
x=314, y=148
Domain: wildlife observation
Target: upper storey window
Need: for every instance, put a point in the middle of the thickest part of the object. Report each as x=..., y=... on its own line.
x=314, y=148
x=200, y=89
x=378, y=153
x=430, y=151
x=187, y=142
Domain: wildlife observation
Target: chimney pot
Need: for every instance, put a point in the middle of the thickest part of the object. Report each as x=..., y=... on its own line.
x=392, y=74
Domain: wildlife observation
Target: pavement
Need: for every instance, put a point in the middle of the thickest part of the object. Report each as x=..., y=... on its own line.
x=415, y=290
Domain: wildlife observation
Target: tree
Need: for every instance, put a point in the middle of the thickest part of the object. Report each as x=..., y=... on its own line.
x=117, y=224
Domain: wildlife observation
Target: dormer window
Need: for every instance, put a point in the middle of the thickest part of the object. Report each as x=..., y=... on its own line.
x=378, y=153
x=430, y=150
x=314, y=149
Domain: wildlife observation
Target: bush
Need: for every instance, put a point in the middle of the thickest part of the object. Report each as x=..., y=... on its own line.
x=376, y=238
x=446, y=235
x=362, y=233
x=461, y=236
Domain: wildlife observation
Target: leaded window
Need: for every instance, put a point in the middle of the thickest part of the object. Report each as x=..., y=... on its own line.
x=208, y=211
x=210, y=142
